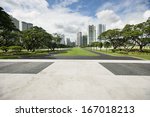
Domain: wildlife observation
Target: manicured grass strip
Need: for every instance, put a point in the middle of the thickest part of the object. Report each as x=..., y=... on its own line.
x=77, y=52
x=141, y=55
x=14, y=55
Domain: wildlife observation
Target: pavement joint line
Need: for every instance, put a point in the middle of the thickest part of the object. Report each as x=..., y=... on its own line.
x=54, y=60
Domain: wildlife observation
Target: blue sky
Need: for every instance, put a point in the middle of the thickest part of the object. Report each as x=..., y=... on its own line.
x=71, y=16
x=90, y=7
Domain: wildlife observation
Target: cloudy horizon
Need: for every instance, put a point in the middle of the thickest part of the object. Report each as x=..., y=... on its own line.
x=71, y=16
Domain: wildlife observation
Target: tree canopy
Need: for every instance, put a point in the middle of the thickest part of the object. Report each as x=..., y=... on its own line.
x=129, y=36
x=5, y=21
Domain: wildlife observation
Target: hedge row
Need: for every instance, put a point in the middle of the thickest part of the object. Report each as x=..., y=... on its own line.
x=13, y=48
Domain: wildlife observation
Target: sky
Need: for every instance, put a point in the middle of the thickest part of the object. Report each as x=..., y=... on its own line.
x=71, y=16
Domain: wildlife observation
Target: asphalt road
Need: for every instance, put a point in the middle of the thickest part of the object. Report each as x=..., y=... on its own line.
x=99, y=57
x=140, y=69
x=109, y=57
x=23, y=67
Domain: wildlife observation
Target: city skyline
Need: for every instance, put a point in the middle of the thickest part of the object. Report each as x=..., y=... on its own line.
x=21, y=25
x=71, y=16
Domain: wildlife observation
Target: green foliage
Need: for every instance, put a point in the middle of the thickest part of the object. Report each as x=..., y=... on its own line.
x=107, y=44
x=4, y=48
x=114, y=37
x=33, y=38
x=129, y=36
x=100, y=45
x=16, y=48
x=5, y=21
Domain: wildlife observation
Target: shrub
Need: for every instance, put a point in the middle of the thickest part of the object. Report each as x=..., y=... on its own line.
x=113, y=50
x=4, y=48
x=122, y=52
x=16, y=48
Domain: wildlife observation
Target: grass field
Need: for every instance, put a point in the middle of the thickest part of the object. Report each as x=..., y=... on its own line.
x=17, y=55
x=141, y=55
x=77, y=52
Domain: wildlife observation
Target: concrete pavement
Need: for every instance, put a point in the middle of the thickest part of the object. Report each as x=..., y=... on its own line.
x=74, y=79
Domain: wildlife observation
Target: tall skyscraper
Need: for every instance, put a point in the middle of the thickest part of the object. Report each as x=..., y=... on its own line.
x=26, y=26
x=91, y=34
x=15, y=21
x=62, y=39
x=101, y=29
x=79, y=39
x=68, y=41
x=84, y=40
x=30, y=25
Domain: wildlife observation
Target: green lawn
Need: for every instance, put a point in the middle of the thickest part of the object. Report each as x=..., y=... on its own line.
x=14, y=55
x=140, y=55
x=77, y=52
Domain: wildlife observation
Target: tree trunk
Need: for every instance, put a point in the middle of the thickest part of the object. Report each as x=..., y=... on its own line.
x=141, y=48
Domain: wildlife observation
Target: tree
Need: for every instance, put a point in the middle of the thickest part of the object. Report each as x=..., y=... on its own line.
x=5, y=21
x=144, y=30
x=114, y=37
x=9, y=38
x=48, y=41
x=56, y=40
x=107, y=45
x=129, y=42
x=7, y=29
x=136, y=35
x=33, y=38
x=100, y=45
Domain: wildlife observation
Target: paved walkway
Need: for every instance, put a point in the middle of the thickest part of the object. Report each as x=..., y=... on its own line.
x=74, y=79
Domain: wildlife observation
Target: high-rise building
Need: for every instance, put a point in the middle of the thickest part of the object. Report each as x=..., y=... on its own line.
x=91, y=34
x=79, y=39
x=30, y=25
x=15, y=21
x=101, y=29
x=68, y=41
x=26, y=26
x=62, y=39
x=84, y=40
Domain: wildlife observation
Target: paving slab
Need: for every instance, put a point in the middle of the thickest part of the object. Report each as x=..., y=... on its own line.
x=23, y=67
x=139, y=69
x=74, y=80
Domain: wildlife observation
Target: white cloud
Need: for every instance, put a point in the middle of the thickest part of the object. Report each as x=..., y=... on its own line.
x=116, y=15
x=146, y=14
x=59, y=18
x=108, y=16
x=64, y=3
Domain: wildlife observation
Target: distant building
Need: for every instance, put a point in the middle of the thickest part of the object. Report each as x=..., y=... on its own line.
x=73, y=44
x=68, y=41
x=30, y=25
x=84, y=40
x=91, y=34
x=101, y=29
x=25, y=26
x=15, y=21
x=62, y=39
x=79, y=39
